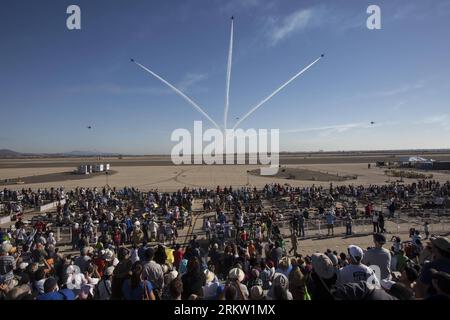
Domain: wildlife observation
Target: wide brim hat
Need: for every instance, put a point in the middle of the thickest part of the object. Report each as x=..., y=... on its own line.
x=236, y=274
x=322, y=265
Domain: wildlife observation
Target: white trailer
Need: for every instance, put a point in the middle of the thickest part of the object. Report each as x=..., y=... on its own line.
x=83, y=169
x=99, y=167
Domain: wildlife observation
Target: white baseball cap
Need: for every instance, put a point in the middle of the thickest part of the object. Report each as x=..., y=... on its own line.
x=355, y=252
x=23, y=265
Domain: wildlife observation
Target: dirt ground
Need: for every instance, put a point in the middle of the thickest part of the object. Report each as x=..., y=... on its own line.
x=296, y=173
x=172, y=178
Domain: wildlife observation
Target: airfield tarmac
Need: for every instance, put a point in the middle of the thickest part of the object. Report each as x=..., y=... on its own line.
x=158, y=172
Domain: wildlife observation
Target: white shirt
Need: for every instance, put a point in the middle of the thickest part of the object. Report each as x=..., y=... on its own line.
x=21, y=234
x=153, y=227
x=353, y=273
x=51, y=240
x=134, y=256
x=39, y=285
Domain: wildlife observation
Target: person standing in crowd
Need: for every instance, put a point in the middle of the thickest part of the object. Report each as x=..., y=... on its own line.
x=379, y=256
x=440, y=248
x=76, y=236
x=322, y=279
x=392, y=209
x=301, y=225
x=207, y=228
x=276, y=254
x=235, y=277
x=375, y=222
x=121, y=273
x=211, y=285
x=104, y=285
x=426, y=230
x=193, y=279
x=294, y=243
x=348, y=224
x=7, y=264
x=178, y=255
x=52, y=292
x=153, y=272
x=381, y=222
x=153, y=227
x=356, y=271
x=136, y=287
x=330, y=221
x=297, y=282
x=84, y=259
x=409, y=276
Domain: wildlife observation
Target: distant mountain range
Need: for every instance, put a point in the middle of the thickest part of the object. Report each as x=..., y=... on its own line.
x=6, y=153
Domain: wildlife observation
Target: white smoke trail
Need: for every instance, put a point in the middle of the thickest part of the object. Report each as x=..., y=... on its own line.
x=227, y=94
x=338, y=128
x=276, y=91
x=195, y=105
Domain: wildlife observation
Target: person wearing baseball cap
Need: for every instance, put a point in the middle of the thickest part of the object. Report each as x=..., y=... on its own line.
x=104, y=285
x=357, y=271
x=379, y=256
x=440, y=248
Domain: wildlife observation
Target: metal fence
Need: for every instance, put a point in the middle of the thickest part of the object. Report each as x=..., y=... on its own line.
x=318, y=227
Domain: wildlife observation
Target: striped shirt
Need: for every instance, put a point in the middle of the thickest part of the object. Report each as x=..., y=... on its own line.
x=7, y=265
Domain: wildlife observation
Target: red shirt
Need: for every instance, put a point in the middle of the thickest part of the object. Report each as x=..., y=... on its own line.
x=178, y=256
x=101, y=264
x=39, y=226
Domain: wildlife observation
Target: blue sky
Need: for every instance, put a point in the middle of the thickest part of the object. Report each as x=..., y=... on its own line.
x=55, y=82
